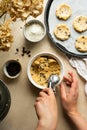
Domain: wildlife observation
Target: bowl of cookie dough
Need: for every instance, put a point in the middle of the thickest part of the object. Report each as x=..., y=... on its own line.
x=41, y=66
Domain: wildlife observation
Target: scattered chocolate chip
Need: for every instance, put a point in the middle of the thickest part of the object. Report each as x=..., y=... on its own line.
x=17, y=49
x=29, y=55
x=24, y=51
x=28, y=52
x=22, y=54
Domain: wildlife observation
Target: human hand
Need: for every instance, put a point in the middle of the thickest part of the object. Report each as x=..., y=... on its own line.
x=69, y=99
x=46, y=110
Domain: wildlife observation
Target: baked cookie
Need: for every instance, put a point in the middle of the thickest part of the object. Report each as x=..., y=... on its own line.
x=62, y=32
x=80, y=23
x=63, y=11
x=81, y=43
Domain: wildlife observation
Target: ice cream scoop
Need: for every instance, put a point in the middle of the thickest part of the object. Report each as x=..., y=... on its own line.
x=52, y=81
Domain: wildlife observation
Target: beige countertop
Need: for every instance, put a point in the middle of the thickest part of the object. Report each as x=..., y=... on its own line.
x=21, y=115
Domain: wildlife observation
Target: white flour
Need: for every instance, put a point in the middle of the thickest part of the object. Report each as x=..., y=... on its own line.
x=34, y=32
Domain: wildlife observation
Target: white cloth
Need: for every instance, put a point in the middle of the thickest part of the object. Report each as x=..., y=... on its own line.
x=81, y=66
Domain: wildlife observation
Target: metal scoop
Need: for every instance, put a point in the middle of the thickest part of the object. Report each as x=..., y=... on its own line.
x=52, y=81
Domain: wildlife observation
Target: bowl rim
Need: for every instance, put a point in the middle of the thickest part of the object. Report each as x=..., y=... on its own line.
x=34, y=21
x=5, y=71
x=43, y=54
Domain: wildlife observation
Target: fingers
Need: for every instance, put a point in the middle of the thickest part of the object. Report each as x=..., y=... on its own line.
x=72, y=81
x=42, y=94
x=62, y=91
x=38, y=99
x=38, y=102
x=73, y=77
x=48, y=91
x=37, y=105
x=67, y=79
x=74, y=85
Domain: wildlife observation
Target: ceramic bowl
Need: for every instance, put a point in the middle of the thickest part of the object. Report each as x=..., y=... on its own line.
x=44, y=54
x=12, y=69
x=34, y=31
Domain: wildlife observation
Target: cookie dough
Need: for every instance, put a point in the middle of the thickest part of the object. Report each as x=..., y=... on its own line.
x=80, y=23
x=81, y=44
x=62, y=32
x=42, y=68
x=63, y=11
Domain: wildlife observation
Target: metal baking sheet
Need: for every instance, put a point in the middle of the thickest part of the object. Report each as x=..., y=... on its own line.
x=79, y=7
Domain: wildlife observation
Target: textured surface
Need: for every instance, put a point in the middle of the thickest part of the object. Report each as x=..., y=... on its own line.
x=22, y=115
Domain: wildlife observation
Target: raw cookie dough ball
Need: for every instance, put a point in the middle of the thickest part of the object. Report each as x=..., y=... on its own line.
x=62, y=32
x=63, y=11
x=81, y=43
x=80, y=23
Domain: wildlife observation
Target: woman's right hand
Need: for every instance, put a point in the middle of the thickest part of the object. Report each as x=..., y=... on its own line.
x=46, y=110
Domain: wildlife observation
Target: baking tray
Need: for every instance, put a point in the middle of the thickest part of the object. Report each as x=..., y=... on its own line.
x=78, y=8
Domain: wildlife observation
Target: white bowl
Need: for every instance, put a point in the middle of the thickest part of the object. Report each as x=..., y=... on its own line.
x=34, y=30
x=44, y=54
x=12, y=69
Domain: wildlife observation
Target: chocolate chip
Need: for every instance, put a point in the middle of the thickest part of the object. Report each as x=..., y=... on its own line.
x=29, y=55
x=83, y=37
x=17, y=49
x=24, y=51
x=84, y=43
x=22, y=54
x=28, y=52
x=20, y=27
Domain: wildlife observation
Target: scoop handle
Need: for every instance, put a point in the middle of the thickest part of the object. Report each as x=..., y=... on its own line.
x=51, y=85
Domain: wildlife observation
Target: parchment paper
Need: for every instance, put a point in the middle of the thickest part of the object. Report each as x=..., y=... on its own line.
x=79, y=7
